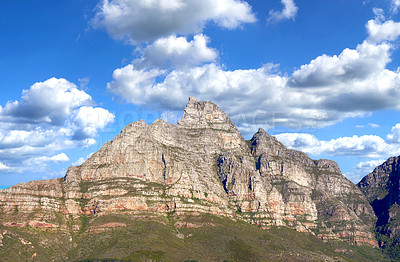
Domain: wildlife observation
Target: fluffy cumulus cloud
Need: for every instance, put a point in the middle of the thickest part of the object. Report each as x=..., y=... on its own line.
x=351, y=64
x=394, y=136
x=51, y=116
x=327, y=90
x=320, y=93
x=177, y=52
x=364, y=146
x=304, y=142
x=289, y=11
x=323, y=92
x=144, y=21
x=87, y=121
x=379, y=31
x=247, y=95
x=51, y=101
x=158, y=59
x=131, y=83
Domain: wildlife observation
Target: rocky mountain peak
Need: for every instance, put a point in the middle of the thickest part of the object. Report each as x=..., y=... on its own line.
x=382, y=189
x=379, y=182
x=204, y=114
x=328, y=165
x=202, y=165
x=263, y=142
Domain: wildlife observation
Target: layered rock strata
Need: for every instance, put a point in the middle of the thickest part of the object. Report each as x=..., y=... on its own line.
x=200, y=165
x=382, y=189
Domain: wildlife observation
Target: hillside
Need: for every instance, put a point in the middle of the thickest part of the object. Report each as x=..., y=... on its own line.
x=382, y=190
x=195, y=190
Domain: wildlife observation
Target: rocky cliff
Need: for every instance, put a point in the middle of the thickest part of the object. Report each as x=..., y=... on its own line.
x=202, y=165
x=382, y=189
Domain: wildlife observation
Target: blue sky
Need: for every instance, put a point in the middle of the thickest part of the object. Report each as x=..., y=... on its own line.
x=321, y=75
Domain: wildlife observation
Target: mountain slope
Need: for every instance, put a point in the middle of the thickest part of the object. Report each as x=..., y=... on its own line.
x=198, y=167
x=121, y=237
x=381, y=187
x=315, y=191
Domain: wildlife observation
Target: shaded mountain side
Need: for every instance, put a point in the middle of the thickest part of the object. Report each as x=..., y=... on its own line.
x=340, y=208
x=202, y=165
x=381, y=187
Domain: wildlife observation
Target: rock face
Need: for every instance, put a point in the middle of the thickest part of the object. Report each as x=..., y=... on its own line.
x=311, y=194
x=381, y=187
x=200, y=165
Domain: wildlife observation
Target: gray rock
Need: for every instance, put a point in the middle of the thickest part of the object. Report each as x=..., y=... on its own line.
x=203, y=165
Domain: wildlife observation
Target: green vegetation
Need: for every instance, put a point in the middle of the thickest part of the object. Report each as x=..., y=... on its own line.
x=390, y=245
x=249, y=144
x=159, y=239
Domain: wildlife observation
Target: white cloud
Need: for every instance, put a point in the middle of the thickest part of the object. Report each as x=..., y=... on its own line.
x=351, y=64
x=365, y=146
x=81, y=160
x=304, y=142
x=373, y=125
x=3, y=167
x=289, y=12
x=379, y=14
x=370, y=146
x=143, y=21
x=131, y=84
x=35, y=138
x=87, y=121
x=51, y=101
x=368, y=166
x=59, y=158
x=248, y=96
x=379, y=31
x=84, y=82
x=363, y=168
x=323, y=92
x=395, y=6
x=394, y=136
x=51, y=116
x=177, y=52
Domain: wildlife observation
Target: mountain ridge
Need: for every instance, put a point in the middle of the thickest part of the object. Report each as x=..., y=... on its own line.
x=201, y=165
x=381, y=187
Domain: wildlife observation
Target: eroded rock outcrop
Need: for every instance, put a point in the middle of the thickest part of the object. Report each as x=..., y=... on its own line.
x=312, y=194
x=200, y=165
x=382, y=189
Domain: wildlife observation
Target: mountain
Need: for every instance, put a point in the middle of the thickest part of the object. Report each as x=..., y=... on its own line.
x=198, y=177
x=381, y=187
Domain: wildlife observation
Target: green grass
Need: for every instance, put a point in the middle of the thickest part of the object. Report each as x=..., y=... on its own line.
x=157, y=239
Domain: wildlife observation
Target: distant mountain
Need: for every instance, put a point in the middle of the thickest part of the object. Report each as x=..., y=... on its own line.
x=197, y=188
x=382, y=189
